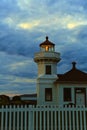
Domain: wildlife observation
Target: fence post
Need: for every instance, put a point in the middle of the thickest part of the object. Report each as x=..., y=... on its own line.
x=10, y=114
x=2, y=117
x=84, y=114
x=18, y=117
x=31, y=118
x=14, y=113
x=6, y=118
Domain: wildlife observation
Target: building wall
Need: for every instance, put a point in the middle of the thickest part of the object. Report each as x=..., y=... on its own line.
x=42, y=67
x=42, y=84
x=60, y=93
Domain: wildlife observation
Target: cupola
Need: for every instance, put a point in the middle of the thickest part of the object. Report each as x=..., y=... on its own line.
x=47, y=45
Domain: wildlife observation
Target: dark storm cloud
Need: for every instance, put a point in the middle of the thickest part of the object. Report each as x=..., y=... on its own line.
x=82, y=34
x=73, y=50
x=17, y=43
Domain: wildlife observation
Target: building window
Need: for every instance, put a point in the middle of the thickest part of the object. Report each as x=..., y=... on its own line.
x=48, y=69
x=67, y=94
x=48, y=94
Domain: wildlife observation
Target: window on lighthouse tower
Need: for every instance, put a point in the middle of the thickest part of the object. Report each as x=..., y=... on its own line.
x=48, y=69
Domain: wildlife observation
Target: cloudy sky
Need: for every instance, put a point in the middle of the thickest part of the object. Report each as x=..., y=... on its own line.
x=24, y=24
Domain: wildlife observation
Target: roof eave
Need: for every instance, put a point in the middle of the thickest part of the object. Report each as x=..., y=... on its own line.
x=70, y=82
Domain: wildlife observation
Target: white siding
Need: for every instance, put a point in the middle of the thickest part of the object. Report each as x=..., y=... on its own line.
x=72, y=86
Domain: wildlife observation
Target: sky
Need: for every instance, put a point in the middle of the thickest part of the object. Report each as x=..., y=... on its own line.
x=24, y=24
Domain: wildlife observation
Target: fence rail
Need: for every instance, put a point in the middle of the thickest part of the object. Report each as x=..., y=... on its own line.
x=30, y=117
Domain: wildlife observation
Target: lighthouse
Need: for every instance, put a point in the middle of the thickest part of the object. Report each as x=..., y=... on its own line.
x=46, y=60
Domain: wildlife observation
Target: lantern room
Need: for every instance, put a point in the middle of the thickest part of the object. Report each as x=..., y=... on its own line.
x=47, y=45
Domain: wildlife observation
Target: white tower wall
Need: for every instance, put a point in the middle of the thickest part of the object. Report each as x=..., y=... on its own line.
x=46, y=60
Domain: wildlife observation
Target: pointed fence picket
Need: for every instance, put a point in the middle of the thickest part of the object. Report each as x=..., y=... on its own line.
x=29, y=117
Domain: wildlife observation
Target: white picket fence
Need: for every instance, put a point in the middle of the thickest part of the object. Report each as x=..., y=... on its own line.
x=43, y=118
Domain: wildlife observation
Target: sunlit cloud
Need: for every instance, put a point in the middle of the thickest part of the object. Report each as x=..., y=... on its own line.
x=76, y=24
x=29, y=25
x=72, y=21
x=71, y=25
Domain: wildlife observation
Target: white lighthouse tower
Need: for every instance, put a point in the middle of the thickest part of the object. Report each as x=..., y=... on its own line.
x=46, y=60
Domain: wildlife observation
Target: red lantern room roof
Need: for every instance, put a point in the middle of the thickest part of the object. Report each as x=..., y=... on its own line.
x=47, y=42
